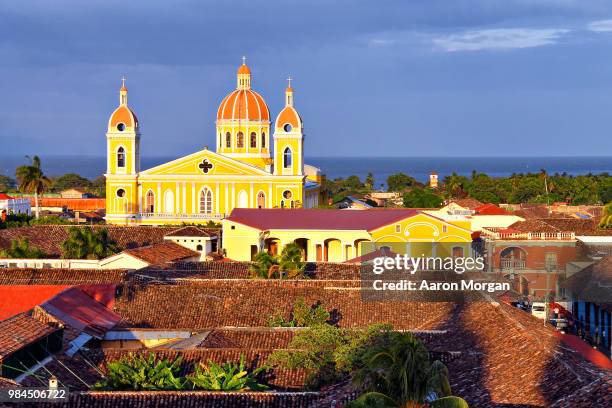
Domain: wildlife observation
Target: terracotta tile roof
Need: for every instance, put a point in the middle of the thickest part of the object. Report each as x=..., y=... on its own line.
x=192, y=399
x=213, y=303
x=193, y=231
x=49, y=238
x=276, y=218
x=53, y=276
x=8, y=383
x=4, y=196
x=581, y=227
x=162, y=253
x=264, y=338
x=21, y=330
x=490, y=209
x=470, y=203
x=228, y=269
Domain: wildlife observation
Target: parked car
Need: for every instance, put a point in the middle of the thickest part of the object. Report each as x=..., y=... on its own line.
x=538, y=309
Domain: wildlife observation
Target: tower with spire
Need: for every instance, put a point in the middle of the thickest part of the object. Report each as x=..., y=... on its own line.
x=123, y=158
x=289, y=138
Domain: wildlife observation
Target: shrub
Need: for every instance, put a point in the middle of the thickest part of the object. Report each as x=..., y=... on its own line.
x=20, y=249
x=140, y=373
x=226, y=377
x=301, y=316
x=327, y=353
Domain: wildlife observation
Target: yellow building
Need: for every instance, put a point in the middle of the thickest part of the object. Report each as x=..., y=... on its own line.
x=245, y=171
x=340, y=235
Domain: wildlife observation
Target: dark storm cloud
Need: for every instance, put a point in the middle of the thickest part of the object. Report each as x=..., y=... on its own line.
x=460, y=77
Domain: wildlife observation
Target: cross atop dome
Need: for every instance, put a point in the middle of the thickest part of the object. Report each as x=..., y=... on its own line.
x=123, y=92
x=244, y=75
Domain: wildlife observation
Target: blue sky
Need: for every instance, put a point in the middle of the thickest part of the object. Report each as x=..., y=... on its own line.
x=371, y=78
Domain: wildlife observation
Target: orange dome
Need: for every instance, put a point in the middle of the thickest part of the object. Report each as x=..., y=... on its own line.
x=288, y=116
x=124, y=115
x=244, y=69
x=243, y=104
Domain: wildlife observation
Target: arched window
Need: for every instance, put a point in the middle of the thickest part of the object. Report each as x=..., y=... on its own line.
x=150, y=202
x=121, y=157
x=287, y=158
x=263, y=140
x=253, y=140
x=243, y=199
x=457, y=252
x=228, y=139
x=206, y=201
x=199, y=248
x=261, y=200
x=240, y=140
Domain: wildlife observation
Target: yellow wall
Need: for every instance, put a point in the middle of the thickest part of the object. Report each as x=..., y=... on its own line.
x=343, y=245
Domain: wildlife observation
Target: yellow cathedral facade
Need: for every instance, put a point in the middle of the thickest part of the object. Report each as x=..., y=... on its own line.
x=246, y=170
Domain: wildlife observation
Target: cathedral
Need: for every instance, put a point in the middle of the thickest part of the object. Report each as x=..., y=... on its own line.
x=248, y=169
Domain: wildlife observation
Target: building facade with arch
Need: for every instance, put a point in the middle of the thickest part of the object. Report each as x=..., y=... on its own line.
x=256, y=163
x=329, y=235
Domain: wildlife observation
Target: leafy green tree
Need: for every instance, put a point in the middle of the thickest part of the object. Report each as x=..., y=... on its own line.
x=302, y=315
x=140, y=373
x=32, y=180
x=85, y=243
x=369, y=181
x=398, y=371
x=6, y=183
x=21, y=249
x=98, y=186
x=226, y=377
x=70, y=180
x=290, y=262
x=262, y=265
x=456, y=185
x=400, y=182
x=422, y=198
x=327, y=353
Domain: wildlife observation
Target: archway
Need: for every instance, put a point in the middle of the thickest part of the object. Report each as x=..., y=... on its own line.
x=272, y=245
x=169, y=201
x=303, y=244
x=243, y=199
x=332, y=250
x=513, y=258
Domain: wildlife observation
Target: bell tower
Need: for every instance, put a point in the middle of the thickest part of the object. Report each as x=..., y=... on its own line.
x=122, y=162
x=288, y=139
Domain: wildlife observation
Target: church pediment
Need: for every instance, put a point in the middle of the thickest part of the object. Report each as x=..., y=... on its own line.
x=203, y=163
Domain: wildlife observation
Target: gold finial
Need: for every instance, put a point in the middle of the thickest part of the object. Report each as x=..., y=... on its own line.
x=289, y=81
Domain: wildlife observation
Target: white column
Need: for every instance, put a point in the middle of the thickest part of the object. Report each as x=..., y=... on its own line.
x=233, y=195
x=217, y=198
x=194, y=209
x=227, y=211
x=139, y=198
x=251, y=198
x=184, y=197
x=158, y=207
x=177, y=198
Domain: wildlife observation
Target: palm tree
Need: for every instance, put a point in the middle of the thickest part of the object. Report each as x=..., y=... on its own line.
x=21, y=249
x=32, y=180
x=291, y=261
x=262, y=265
x=398, y=373
x=85, y=243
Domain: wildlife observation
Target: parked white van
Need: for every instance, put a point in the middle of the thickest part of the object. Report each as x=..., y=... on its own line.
x=538, y=309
